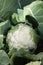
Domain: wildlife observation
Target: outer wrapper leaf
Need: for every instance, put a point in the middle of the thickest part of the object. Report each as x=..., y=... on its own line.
x=18, y=17
x=23, y=54
x=36, y=10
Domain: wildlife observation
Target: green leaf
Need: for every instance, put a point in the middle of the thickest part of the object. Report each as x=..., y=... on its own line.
x=4, y=26
x=15, y=18
x=16, y=54
x=7, y=7
x=35, y=10
x=42, y=61
x=32, y=21
x=20, y=15
x=1, y=41
x=24, y=54
x=40, y=27
x=36, y=57
x=34, y=63
x=23, y=3
x=4, y=59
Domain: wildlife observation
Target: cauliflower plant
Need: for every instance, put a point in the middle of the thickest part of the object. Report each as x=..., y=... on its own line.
x=22, y=36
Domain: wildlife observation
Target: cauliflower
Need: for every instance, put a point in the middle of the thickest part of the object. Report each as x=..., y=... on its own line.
x=22, y=36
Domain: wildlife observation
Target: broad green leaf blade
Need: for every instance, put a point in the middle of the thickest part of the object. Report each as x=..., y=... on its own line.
x=4, y=26
x=7, y=7
x=1, y=41
x=4, y=59
x=35, y=9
